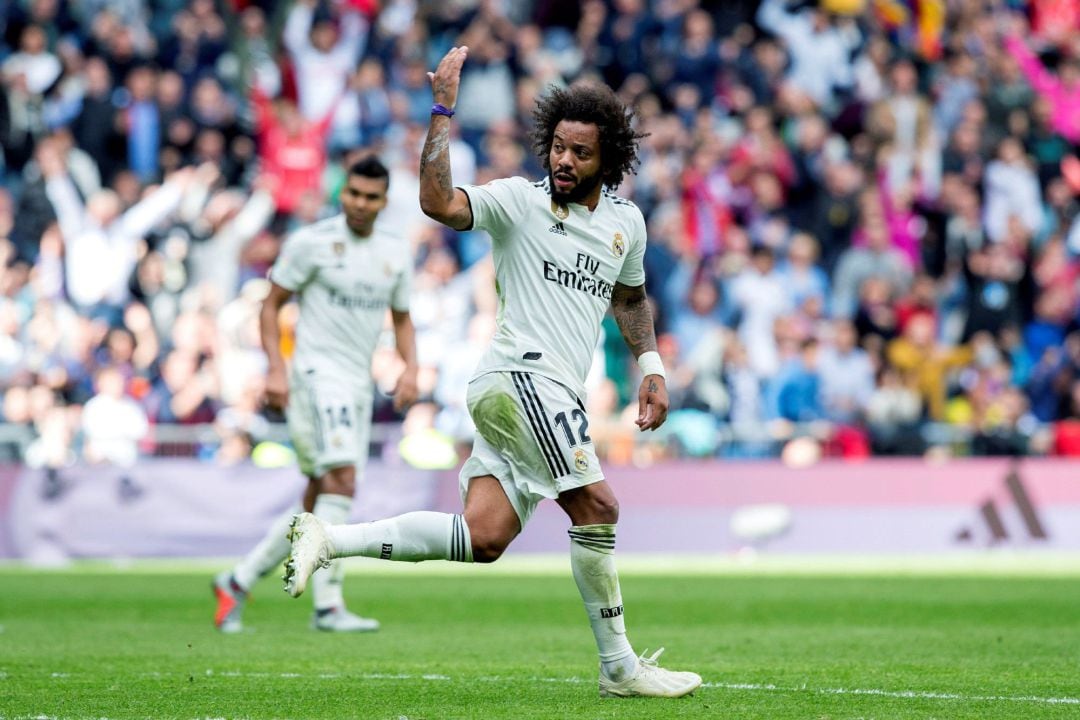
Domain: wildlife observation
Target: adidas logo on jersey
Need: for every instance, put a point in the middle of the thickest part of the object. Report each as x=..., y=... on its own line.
x=558, y=229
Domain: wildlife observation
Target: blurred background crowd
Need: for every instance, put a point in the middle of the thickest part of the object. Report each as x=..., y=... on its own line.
x=863, y=233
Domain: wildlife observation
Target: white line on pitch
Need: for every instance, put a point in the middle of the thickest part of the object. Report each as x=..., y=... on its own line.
x=750, y=687
x=918, y=694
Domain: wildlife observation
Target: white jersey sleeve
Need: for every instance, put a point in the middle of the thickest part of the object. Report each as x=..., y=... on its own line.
x=633, y=269
x=499, y=205
x=297, y=263
x=399, y=296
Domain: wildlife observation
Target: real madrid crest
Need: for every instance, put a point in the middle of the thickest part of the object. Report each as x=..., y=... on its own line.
x=618, y=245
x=339, y=248
x=581, y=462
x=561, y=211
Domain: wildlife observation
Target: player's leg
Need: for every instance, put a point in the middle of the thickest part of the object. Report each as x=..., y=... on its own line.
x=333, y=507
x=342, y=421
x=479, y=534
x=594, y=512
x=491, y=519
x=232, y=587
x=337, y=487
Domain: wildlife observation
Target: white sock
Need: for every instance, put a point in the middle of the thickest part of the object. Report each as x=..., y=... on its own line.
x=326, y=584
x=268, y=554
x=592, y=558
x=411, y=537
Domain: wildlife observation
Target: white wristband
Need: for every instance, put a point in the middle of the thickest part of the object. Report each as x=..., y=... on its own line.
x=651, y=364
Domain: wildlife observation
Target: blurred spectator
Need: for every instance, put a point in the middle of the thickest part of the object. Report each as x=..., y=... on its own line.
x=185, y=392
x=820, y=52
x=324, y=51
x=112, y=423
x=795, y=393
x=759, y=296
x=38, y=67
x=292, y=149
x=1062, y=90
x=893, y=413
x=847, y=375
x=926, y=366
x=100, y=239
x=1012, y=192
x=882, y=206
x=877, y=259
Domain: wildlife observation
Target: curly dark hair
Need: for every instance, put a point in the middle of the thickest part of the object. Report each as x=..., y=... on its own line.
x=595, y=104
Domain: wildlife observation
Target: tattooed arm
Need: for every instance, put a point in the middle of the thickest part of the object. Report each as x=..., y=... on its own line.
x=439, y=199
x=630, y=306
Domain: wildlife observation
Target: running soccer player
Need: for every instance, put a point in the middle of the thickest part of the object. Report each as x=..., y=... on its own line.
x=346, y=273
x=565, y=249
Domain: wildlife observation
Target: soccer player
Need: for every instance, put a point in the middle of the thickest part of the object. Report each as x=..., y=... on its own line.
x=564, y=249
x=346, y=273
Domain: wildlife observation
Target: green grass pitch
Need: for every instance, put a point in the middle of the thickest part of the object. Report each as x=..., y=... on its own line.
x=100, y=642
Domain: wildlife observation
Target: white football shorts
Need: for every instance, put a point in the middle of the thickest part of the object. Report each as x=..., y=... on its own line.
x=532, y=433
x=329, y=422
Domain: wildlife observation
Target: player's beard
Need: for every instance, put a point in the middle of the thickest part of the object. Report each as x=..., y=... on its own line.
x=577, y=193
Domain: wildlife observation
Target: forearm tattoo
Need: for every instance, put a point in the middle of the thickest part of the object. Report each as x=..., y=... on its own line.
x=435, y=159
x=630, y=306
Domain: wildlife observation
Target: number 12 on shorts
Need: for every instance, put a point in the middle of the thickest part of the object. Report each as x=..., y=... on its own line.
x=579, y=417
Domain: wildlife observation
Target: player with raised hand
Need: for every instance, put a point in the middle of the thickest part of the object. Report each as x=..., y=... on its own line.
x=346, y=272
x=565, y=249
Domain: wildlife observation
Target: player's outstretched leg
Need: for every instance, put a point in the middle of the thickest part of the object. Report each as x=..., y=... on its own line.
x=592, y=558
x=232, y=587
x=411, y=537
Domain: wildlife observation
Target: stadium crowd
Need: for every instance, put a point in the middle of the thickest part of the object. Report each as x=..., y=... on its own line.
x=863, y=214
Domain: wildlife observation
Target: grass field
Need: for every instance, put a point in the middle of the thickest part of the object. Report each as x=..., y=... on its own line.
x=101, y=642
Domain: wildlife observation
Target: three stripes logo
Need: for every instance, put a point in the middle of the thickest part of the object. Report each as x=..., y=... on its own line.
x=558, y=229
x=992, y=518
x=541, y=426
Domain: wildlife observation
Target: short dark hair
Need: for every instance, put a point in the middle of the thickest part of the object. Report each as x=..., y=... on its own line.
x=597, y=105
x=370, y=167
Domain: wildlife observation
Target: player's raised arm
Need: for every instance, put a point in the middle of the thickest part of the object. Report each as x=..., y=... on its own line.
x=630, y=306
x=438, y=198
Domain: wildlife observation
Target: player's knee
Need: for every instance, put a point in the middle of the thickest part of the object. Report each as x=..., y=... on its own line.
x=487, y=548
x=338, y=481
x=605, y=510
x=598, y=508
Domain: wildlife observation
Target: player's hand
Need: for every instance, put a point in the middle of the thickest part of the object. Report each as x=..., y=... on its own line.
x=447, y=77
x=652, y=403
x=405, y=390
x=276, y=393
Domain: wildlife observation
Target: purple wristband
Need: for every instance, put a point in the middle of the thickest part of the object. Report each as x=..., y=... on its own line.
x=440, y=109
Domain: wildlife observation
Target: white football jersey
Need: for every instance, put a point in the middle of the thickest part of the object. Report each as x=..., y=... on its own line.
x=555, y=269
x=344, y=283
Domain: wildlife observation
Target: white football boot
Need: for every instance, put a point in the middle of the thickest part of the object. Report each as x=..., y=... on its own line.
x=338, y=619
x=651, y=680
x=311, y=550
